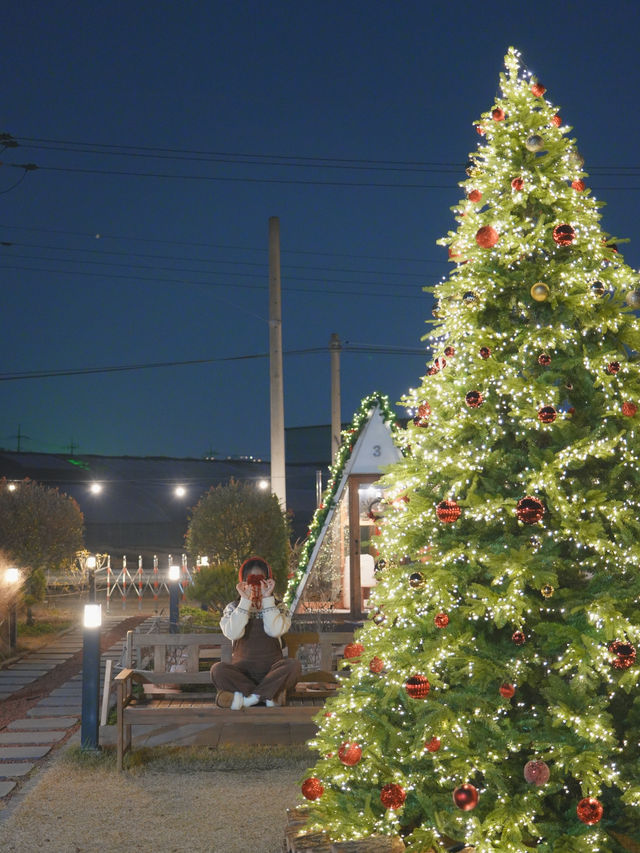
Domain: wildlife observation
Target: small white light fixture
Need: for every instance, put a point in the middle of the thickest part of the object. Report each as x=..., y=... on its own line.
x=12, y=487
x=90, y=562
x=180, y=491
x=263, y=484
x=174, y=573
x=95, y=488
x=92, y=615
x=12, y=575
x=204, y=561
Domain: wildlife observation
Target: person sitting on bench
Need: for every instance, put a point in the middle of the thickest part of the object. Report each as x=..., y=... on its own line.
x=254, y=623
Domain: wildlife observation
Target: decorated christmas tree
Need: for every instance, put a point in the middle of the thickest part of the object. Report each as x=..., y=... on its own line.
x=492, y=697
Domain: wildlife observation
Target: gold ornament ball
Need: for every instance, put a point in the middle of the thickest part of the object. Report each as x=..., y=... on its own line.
x=547, y=590
x=540, y=291
x=633, y=298
x=417, y=580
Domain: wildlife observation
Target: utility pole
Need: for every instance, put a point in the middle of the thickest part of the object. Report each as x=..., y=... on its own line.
x=278, y=480
x=336, y=419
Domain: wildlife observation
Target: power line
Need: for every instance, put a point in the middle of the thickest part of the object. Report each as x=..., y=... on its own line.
x=86, y=371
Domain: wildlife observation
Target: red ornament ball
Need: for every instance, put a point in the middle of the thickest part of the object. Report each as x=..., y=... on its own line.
x=432, y=370
x=466, y=797
x=497, y=114
x=480, y=130
x=564, y=235
x=517, y=184
x=392, y=796
x=556, y=120
x=312, y=788
x=353, y=650
x=590, y=810
x=530, y=510
x=613, y=367
x=376, y=665
x=507, y=690
x=440, y=363
x=441, y=620
x=547, y=415
x=449, y=351
x=518, y=638
x=453, y=252
x=625, y=655
x=424, y=410
x=432, y=745
x=487, y=236
x=350, y=753
x=417, y=686
x=629, y=409
x=485, y=352
x=538, y=89
x=474, y=399
x=578, y=186
x=448, y=512
x=536, y=772
x=544, y=359
x=475, y=195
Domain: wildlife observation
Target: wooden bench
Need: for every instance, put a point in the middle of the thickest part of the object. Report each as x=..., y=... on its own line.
x=165, y=702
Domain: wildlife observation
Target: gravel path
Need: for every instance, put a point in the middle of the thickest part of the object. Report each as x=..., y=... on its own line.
x=96, y=810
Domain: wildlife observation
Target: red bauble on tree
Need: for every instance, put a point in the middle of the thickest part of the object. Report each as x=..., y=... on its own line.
x=497, y=114
x=353, y=650
x=547, y=415
x=392, y=796
x=487, y=236
x=441, y=620
x=625, y=655
x=538, y=89
x=578, y=186
x=629, y=409
x=466, y=797
x=417, y=686
x=440, y=363
x=376, y=665
x=556, y=120
x=517, y=184
x=529, y=510
x=473, y=399
x=448, y=512
x=536, y=773
x=564, y=235
x=480, y=130
x=350, y=753
x=432, y=745
x=475, y=195
x=312, y=788
x=507, y=690
x=485, y=352
x=613, y=367
x=449, y=352
x=590, y=810
x=518, y=638
x=544, y=359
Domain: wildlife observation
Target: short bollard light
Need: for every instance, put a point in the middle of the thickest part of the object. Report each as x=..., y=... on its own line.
x=90, y=676
x=174, y=598
x=12, y=579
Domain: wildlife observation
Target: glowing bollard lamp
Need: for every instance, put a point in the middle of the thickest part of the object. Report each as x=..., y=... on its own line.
x=174, y=598
x=90, y=676
x=12, y=578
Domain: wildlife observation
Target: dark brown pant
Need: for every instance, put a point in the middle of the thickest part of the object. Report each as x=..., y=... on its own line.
x=284, y=673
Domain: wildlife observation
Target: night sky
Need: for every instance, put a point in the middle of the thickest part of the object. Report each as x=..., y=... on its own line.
x=167, y=133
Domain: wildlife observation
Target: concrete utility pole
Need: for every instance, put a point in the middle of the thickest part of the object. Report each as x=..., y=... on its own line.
x=336, y=419
x=278, y=480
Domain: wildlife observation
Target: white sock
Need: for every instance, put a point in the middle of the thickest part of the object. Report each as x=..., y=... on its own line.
x=251, y=700
x=238, y=701
x=270, y=703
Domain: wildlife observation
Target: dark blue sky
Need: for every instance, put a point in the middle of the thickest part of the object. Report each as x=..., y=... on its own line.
x=179, y=271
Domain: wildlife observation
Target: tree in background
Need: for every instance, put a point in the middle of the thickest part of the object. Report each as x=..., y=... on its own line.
x=493, y=695
x=40, y=529
x=237, y=520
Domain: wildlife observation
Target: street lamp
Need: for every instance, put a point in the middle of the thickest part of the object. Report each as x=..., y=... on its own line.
x=263, y=484
x=90, y=676
x=174, y=595
x=95, y=488
x=179, y=491
x=91, y=564
x=12, y=579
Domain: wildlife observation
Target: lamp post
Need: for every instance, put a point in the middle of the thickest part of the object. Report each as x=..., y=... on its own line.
x=12, y=578
x=174, y=598
x=91, y=564
x=90, y=676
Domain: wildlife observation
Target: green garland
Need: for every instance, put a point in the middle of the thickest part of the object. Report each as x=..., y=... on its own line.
x=348, y=438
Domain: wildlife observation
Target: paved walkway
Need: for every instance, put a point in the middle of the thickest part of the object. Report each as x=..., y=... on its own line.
x=25, y=742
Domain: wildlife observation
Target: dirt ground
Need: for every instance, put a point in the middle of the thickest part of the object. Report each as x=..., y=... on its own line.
x=93, y=810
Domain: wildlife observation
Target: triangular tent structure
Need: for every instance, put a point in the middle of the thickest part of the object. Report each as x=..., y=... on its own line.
x=336, y=569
